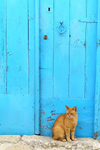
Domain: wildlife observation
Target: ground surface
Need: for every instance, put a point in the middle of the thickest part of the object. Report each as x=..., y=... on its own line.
x=11, y=142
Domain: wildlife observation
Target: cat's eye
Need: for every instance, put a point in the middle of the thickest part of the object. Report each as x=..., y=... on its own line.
x=71, y=113
x=67, y=113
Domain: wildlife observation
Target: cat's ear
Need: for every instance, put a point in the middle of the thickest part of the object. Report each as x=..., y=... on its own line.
x=66, y=106
x=75, y=108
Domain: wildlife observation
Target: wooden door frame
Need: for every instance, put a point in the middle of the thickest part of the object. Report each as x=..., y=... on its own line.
x=97, y=85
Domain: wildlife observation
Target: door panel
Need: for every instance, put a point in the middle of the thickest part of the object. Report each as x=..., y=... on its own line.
x=77, y=49
x=17, y=67
x=91, y=39
x=61, y=49
x=52, y=108
x=67, y=62
x=46, y=49
x=16, y=64
x=17, y=114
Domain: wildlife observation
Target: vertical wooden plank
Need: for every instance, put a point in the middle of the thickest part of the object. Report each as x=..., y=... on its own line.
x=97, y=93
x=31, y=56
x=36, y=70
x=77, y=49
x=31, y=44
x=91, y=39
x=46, y=49
x=61, y=49
x=17, y=46
x=3, y=47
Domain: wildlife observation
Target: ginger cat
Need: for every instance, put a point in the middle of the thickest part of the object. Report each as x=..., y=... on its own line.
x=65, y=124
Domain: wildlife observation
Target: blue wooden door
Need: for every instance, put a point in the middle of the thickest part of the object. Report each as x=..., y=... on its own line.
x=68, y=34
x=17, y=67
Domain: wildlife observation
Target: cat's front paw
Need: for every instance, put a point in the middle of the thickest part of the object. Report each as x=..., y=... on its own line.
x=64, y=140
x=74, y=139
x=69, y=140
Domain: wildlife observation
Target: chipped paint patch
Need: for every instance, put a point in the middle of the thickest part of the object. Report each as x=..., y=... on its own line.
x=95, y=135
x=50, y=119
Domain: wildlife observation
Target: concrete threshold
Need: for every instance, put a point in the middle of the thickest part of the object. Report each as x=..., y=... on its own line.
x=16, y=142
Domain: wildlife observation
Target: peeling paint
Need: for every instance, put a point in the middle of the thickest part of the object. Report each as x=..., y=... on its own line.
x=84, y=44
x=95, y=135
x=43, y=113
x=53, y=111
x=97, y=44
x=48, y=117
x=57, y=114
x=7, y=68
x=51, y=120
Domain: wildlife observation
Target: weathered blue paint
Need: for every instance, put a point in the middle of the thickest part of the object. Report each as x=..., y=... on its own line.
x=68, y=62
x=16, y=114
x=52, y=108
x=39, y=75
x=97, y=91
x=17, y=67
x=36, y=75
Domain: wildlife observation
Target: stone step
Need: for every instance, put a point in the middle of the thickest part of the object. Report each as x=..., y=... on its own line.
x=16, y=142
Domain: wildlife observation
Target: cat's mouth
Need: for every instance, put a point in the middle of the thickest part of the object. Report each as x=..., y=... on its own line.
x=70, y=117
